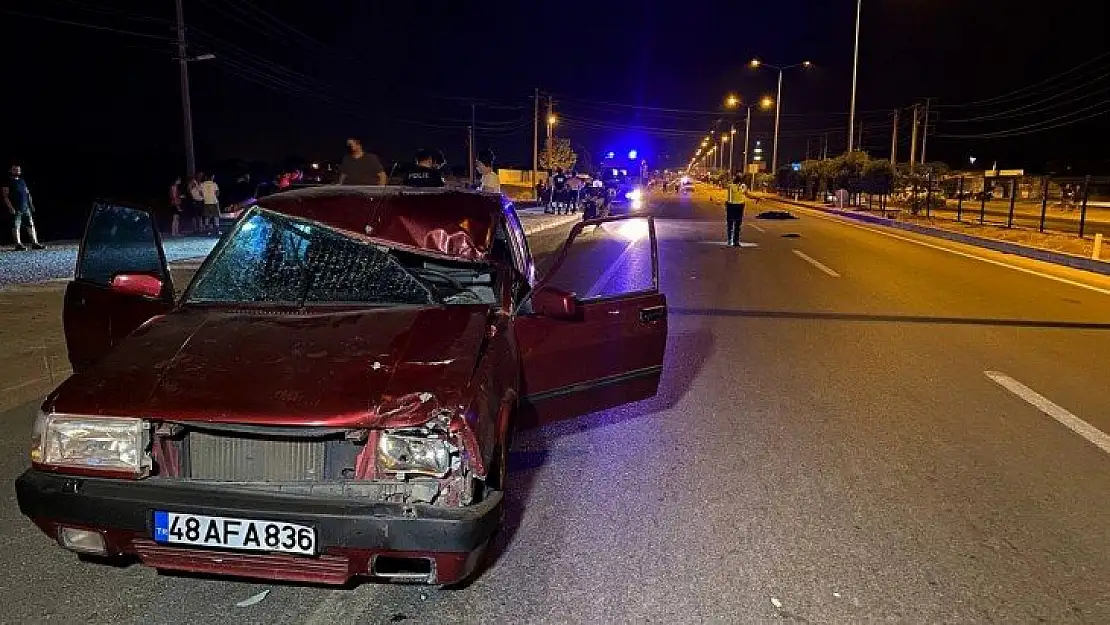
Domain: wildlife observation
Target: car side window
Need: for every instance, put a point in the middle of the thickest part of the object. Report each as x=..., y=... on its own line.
x=118, y=239
x=521, y=257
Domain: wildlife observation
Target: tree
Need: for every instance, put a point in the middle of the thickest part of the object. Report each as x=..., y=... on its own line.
x=560, y=153
x=878, y=177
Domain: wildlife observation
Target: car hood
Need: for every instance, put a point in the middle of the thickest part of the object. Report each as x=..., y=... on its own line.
x=366, y=368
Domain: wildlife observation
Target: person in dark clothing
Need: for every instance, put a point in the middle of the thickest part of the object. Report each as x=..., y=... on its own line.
x=559, y=191
x=361, y=167
x=426, y=173
x=17, y=199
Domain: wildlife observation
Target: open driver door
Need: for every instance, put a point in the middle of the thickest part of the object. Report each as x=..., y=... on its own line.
x=121, y=281
x=597, y=329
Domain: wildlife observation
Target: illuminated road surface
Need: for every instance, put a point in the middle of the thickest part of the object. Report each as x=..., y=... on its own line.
x=898, y=438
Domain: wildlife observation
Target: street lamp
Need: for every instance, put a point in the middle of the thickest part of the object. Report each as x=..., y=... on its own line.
x=756, y=63
x=732, y=101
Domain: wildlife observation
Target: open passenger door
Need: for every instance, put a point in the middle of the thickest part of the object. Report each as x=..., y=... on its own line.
x=598, y=327
x=121, y=281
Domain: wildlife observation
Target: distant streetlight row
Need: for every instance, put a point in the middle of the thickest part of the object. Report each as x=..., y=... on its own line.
x=733, y=102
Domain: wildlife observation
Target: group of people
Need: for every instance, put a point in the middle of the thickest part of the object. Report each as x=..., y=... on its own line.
x=198, y=204
x=428, y=169
x=564, y=193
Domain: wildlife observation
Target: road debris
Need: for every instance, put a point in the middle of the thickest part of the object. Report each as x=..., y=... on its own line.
x=775, y=602
x=252, y=600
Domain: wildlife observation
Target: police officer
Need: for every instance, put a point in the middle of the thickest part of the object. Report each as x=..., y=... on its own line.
x=426, y=173
x=734, y=209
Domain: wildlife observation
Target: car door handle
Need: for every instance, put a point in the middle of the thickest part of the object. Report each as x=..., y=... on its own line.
x=653, y=314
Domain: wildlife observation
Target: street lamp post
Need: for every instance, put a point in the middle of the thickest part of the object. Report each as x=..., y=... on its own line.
x=731, y=146
x=855, y=68
x=756, y=63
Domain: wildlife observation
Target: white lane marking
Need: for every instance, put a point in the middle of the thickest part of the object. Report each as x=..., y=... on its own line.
x=1093, y=435
x=991, y=261
x=815, y=263
x=610, y=272
x=757, y=228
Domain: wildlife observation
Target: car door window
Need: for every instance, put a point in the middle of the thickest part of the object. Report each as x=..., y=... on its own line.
x=614, y=259
x=521, y=257
x=119, y=237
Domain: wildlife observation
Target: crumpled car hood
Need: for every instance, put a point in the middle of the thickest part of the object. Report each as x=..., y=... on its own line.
x=326, y=369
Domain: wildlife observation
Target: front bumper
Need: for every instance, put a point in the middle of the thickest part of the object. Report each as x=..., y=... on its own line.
x=350, y=533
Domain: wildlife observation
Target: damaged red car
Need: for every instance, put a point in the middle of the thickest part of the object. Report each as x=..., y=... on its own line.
x=334, y=394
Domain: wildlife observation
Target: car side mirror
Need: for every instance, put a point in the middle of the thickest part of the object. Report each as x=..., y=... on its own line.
x=137, y=284
x=555, y=303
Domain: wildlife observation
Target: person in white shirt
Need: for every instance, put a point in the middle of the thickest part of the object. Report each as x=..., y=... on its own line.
x=491, y=183
x=211, y=196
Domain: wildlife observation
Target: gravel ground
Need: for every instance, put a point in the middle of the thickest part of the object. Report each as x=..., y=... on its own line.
x=57, y=262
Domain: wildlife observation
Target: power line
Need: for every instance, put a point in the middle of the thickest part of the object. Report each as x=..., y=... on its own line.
x=1034, y=86
x=118, y=31
x=1009, y=113
x=1039, y=126
x=139, y=17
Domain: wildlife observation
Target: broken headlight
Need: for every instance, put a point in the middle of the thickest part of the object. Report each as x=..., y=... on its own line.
x=109, y=444
x=412, y=453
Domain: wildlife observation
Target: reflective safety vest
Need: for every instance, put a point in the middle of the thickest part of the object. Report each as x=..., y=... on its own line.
x=735, y=194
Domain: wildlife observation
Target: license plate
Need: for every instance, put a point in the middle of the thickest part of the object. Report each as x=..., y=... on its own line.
x=227, y=533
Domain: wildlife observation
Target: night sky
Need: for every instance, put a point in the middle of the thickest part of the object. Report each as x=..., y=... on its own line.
x=297, y=78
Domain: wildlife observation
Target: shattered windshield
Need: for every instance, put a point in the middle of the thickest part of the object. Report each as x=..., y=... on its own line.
x=271, y=258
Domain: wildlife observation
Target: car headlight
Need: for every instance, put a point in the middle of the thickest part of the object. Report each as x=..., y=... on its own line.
x=110, y=444
x=635, y=195
x=404, y=453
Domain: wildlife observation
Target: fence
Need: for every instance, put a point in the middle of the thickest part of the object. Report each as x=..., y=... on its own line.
x=1077, y=205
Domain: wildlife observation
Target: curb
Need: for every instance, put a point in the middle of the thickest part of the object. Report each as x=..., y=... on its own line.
x=1057, y=258
x=548, y=225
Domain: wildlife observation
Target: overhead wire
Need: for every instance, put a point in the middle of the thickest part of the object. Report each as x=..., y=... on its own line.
x=1038, y=126
x=1032, y=87
x=1009, y=114
x=118, y=31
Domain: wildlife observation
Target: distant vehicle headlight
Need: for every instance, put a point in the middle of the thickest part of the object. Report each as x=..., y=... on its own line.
x=635, y=195
x=410, y=453
x=110, y=444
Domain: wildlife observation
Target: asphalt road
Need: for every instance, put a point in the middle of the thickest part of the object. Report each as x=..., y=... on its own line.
x=827, y=447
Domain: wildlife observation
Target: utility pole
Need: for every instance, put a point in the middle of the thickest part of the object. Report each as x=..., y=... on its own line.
x=775, y=147
x=925, y=130
x=536, y=141
x=894, y=142
x=471, y=142
x=731, y=146
x=186, y=107
x=825, y=150
x=747, y=136
x=807, y=148
x=913, y=139
x=550, y=128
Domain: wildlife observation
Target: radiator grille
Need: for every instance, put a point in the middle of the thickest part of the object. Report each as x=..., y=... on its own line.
x=252, y=459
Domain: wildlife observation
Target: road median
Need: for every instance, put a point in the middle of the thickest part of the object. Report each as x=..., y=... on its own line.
x=1057, y=257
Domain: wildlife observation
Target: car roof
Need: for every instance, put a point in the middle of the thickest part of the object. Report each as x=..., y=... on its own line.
x=445, y=222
